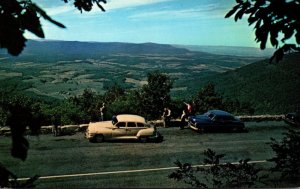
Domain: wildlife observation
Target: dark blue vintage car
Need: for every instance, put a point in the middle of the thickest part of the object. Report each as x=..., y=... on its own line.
x=216, y=120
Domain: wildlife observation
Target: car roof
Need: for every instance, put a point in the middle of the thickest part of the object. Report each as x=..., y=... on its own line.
x=220, y=112
x=130, y=118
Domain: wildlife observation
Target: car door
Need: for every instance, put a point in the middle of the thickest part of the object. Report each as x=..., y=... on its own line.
x=132, y=129
x=120, y=130
x=223, y=123
x=217, y=123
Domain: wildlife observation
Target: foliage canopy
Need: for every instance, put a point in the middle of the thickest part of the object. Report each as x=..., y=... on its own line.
x=216, y=174
x=287, y=152
x=272, y=18
x=17, y=16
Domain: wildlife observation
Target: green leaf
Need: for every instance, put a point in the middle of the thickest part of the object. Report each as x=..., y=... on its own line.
x=288, y=33
x=45, y=16
x=231, y=12
x=239, y=14
x=252, y=19
x=11, y=36
x=99, y=5
x=31, y=22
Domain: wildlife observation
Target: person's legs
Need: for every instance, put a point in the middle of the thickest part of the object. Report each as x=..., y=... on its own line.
x=168, y=121
x=182, y=123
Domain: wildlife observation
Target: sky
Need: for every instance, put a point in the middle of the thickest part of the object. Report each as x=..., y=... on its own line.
x=185, y=22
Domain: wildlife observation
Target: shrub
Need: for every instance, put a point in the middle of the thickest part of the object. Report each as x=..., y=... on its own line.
x=287, y=154
x=216, y=175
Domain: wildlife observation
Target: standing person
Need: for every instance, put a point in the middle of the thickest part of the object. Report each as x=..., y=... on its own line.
x=182, y=120
x=166, y=117
x=189, y=108
x=114, y=119
x=56, y=125
x=102, y=110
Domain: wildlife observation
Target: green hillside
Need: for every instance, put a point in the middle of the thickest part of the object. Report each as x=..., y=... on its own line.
x=270, y=88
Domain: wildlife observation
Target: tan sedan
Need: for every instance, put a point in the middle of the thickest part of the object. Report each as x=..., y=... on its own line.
x=126, y=126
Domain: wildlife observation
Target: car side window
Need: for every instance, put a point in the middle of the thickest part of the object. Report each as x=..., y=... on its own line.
x=140, y=125
x=211, y=116
x=131, y=124
x=121, y=124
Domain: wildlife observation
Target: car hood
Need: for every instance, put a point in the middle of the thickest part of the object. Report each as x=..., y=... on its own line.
x=107, y=124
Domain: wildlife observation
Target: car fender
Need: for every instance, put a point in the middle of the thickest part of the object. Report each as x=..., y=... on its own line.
x=145, y=132
x=103, y=128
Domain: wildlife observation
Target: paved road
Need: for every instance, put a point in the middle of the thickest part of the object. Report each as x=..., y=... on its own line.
x=74, y=162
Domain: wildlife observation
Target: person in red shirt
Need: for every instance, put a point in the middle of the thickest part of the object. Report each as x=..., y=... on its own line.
x=189, y=108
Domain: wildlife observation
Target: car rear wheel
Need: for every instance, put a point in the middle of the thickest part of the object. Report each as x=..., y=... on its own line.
x=235, y=130
x=99, y=138
x=239, y=130
x=143, y=139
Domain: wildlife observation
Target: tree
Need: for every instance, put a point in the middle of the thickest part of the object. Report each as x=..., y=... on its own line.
x=88, y=105
x=272, y=18
x=215, y=174
x=207, y=99
x=16, y=16
x=156, y=94
x=113, y=93
x=287, y=155
x=129, y=103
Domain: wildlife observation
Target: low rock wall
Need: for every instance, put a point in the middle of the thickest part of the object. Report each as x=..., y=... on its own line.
x=158, y=123
x=259, y=118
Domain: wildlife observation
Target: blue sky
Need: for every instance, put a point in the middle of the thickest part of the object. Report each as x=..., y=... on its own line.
x=187, y=22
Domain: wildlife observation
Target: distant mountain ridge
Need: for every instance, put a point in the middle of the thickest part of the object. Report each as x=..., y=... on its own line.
x=42, y=48
x=53, y=50
x=100, y=47
x=230, y=50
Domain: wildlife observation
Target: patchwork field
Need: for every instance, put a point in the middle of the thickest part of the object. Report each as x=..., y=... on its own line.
x=46, y=71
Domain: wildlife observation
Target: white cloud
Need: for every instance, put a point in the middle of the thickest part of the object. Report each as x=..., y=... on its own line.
x=211, y=10
x=59, y=9
x=118, y=4
x=109, y=6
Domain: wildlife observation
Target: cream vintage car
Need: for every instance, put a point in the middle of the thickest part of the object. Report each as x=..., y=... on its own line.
x=126, y=126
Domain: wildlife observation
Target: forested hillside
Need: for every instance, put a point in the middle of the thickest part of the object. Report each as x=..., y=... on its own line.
x=269, y=88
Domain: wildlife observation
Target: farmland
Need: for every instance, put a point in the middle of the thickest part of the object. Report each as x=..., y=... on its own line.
x=98, y=66
x=73, y=154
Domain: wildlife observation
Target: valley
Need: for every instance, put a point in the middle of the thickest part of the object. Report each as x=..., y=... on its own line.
x=47, y=72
